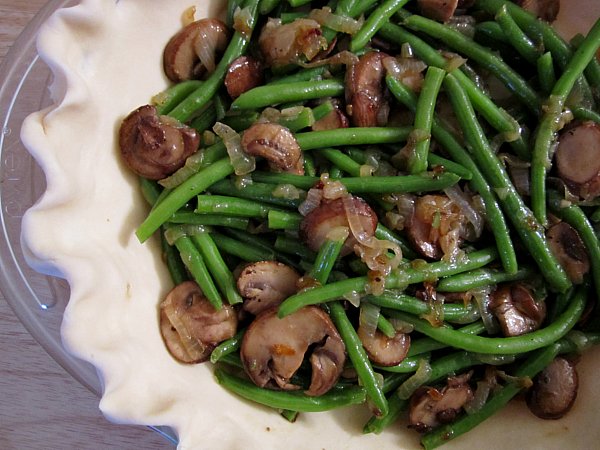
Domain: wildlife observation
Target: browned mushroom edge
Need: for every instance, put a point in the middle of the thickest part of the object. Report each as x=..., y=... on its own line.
x=154, y=146
x=554, y=390
x=430, y=407
x=569, y=249
x=335, y=119
x=192, y=51
x=577, y=159
x=273, y=349
x=243, y=74
x=516, y=309
x=265, y=284
x=276, y=144
x=382, y=350
x=366, y=99
x=544, y=9
x=190, y=325
x=440, y=10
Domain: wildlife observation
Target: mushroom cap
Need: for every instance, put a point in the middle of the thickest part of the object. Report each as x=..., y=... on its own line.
x=265, y=284
x=273, y=349
x=190, y=326
x=183, y=54
x=316, y=225
x=243, y=74
x=276, y=144
x=544, y=9
x=154, y=146
x=440, y=10
x=578, y=159
x=365, y=91
x=569, y=249
x=383, y=350
x=516, y=309
x=554, y=390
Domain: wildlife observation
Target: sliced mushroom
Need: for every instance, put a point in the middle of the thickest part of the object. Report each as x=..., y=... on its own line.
x=192, y=51
x=578, y=159
x=383, y=350
x=331, y=214
x=276, y=144
x=273, y=349
x=366, y=101
x=190, y=325
x=516, y=309
x=440, y=10
x=569, y=249
x=265, y=284
x=243, y=74
x=430, y=407
x=544, y=9
x=291, y=43
x=335, y=119
x=154, y=146
x=554, y=390
x=437, y=226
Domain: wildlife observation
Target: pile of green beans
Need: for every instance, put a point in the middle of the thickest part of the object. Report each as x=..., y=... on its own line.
x=212, y=221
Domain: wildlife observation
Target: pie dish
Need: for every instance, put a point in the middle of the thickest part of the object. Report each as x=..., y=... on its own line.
x=106, y=60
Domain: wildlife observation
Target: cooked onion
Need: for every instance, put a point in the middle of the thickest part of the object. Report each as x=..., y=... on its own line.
x=418, y=379
x=189, y=229
x=312, y=201
x=368, y=318
x=191, y=166
x=242, y=20
x=462, y=200
x=344, y=57
x=482, y=299
x=343, y=24
x=287, y=191
x=193, y=347
x=333, y=189
x=241, y=162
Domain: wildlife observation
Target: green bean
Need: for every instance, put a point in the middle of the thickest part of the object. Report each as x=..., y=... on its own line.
x=551, y=118
x=168, y=99
x=189, y=217
x=283, y=220
x=240, y=121
x=495, y=116
x=181, y=195
x=243, y=251
x=495, y=218
x=436, y=161
x=401, y=277
x=374, y=22
x=296, y=3
x=546, y=74
x=303, y=119
x=396, y=407
x=574, y=216
x=173, y=261
x=341, y=160
x=309, y=165
x=291, y=400
x=266, y=6
x=291, y=246
x=532, y=365
x=352, y=136
x=427, y=344
x=191, y=257
x=217, y=267
x=502, y=345
x=385, y=234
x=312, y=74
x=236, y=47
x=360, y=361
x=326, y=258
x=530, y=231
x=481, y=277
x=386, y=327
x=205, y=119
x=360, y=185
x=457, y=313
x=592, y=71
x=262, y=96
x=517, y=38
x=581, y=113
x=408, y=365
x=232, y=206
x=417, y=161
x=459, y=42
x=227, y=347
x=261, y=192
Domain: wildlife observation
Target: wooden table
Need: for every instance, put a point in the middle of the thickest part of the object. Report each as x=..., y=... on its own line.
x=41, y=405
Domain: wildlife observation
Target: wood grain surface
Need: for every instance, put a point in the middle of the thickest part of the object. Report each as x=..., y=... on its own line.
x=41, y=405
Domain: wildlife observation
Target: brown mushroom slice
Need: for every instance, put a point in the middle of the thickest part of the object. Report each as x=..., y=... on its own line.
x=244, y=73
x=578, y=159
x=193, y=49
x=276, y=144
x=436, y=226
x=273, y=349
x=554, y=390
x=544, y=9
x=265, y=284
x=190, y=326
x=516, y=309
x=430, y=407
x=569, y=249
x=330, y=214
x=154, y=146
x=440, y=10
x=332, y=121
x=383, y=350
x=290, y=43
x=366, y=102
